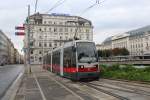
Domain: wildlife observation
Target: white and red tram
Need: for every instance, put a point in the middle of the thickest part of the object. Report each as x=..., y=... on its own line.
x=75, y=60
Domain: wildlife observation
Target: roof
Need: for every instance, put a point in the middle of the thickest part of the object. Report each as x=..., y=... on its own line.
x=59, y=14
x=109, y=39
x=139, y=31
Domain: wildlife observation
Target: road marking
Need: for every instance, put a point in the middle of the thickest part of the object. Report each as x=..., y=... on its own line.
x=42, y=94
x=67, y=89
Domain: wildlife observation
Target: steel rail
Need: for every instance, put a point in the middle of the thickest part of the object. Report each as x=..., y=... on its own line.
x=106, y=92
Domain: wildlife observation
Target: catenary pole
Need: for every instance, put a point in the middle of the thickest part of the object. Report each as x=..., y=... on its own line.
x=28, y=26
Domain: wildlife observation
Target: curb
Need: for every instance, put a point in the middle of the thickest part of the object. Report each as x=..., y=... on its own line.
x=12, y=90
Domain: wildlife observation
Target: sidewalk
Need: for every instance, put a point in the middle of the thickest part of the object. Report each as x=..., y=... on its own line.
x=39, y=85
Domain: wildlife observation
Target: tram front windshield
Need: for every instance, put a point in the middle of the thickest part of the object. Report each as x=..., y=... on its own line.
x=86, y=52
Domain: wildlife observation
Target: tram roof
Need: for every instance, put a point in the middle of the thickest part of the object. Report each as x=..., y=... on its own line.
x=73, y=42
x=69, y=44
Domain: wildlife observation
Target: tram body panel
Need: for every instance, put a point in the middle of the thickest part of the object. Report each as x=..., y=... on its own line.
x=74, y=60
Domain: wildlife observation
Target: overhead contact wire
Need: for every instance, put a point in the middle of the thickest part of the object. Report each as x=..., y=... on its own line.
x=58, y=3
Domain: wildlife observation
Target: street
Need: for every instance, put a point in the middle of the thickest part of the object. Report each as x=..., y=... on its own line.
x=44, y=85
x=8, y=74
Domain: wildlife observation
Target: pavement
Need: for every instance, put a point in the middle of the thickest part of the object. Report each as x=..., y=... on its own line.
x=40, y=85
x=8, y=74
x=44, y=85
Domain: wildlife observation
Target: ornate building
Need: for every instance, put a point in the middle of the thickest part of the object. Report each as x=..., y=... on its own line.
x=48, y=31
x=136, y=41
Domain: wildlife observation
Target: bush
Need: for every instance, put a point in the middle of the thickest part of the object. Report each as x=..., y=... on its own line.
x=128, y=68
x=126, y=72
x=147, y=69
x=114, y=67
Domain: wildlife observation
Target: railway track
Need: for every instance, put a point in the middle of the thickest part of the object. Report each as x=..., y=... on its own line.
x=106, y=92
x=104, y=88
x=136, y=83
x=136, y=87
x=128, y=90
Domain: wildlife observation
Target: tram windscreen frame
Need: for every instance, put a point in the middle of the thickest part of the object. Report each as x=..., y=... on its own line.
x=86, y=52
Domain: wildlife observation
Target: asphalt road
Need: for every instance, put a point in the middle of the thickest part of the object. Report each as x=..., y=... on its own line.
x=8, y=74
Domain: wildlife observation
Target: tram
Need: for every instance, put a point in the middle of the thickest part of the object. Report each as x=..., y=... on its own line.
x=75, y=60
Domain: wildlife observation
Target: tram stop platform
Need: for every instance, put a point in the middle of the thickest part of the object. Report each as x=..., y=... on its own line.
x=41, y=85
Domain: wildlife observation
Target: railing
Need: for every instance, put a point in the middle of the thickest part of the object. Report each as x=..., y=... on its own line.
x=127, y=60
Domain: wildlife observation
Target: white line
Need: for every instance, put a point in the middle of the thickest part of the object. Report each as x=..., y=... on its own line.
x=67, y=89
x=42, y=94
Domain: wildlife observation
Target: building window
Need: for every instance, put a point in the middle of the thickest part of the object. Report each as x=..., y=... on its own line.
x=55, y=29
x=40, y=52
x=79, y=30
x=50, y=22
x=66, y=33
x=40, y=59
x=40, y=37
x=50, y=29
x=87, y=30
x=45, y=51
x=147, y=44
x=50, y=45
x=87, y=36
x=66, y=38
x=40, y=44
x=60, y=30
x=56, y=33
x=31, y=51
x=71, y=30
x=60, y=37
x=60, y=23
x=55, y=44
x=66, y=29
x=45, y=45
x=60, y=33
x=141, y=45
x=44, y=29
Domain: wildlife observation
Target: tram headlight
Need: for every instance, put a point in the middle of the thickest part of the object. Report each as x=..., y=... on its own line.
x=81, y=66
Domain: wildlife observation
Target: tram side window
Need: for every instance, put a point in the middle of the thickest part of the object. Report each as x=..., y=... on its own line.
x=48, y=59
x=56, y=58
x=53, y=59
x=69, y=58
x=44, y=60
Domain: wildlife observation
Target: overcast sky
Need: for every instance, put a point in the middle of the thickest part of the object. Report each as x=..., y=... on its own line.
x=109, y=18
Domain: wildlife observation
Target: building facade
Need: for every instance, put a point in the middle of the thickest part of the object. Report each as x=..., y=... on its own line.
x=48, y=31
x=136, y=41
x=7, y=50
x=3, y=49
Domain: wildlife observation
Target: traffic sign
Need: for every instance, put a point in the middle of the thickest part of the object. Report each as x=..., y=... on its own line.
x=19, y=33
x=20, y=28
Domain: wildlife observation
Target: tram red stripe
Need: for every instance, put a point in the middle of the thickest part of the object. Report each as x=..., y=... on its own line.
x=71, y=69
x=90, y=69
